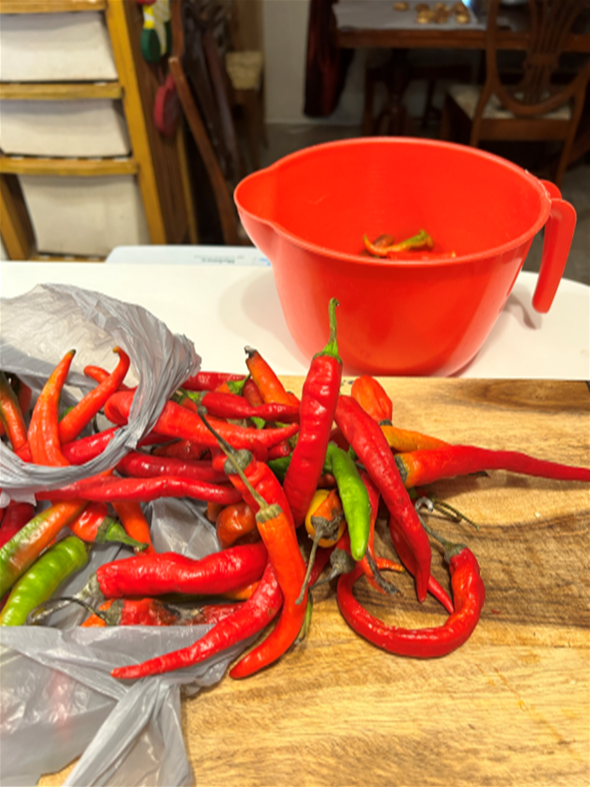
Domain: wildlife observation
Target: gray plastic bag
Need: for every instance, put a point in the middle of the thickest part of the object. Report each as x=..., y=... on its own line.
x=57, y=698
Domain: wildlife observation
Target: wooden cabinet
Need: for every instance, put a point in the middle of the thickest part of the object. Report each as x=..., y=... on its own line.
x=153, y=165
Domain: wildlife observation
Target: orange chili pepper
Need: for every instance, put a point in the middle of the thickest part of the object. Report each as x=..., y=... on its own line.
x=11, y=415
x=271, y=388
x=234, y=522
x=136, y=525
x=43, y=434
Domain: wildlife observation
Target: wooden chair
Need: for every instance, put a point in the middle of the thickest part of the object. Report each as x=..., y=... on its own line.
x=540, y=104
x=200, y=80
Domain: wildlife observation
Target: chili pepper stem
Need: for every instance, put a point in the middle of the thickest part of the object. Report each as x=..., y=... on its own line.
x=230, y=452
x=451, y=548
x=341, y=562
x=90, y=593
x=383, y=583
x=331, y=347
x=322, y=529
x=46, y=609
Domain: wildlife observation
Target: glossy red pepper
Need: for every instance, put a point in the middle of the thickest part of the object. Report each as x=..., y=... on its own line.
x=235, y=522
x=468, y=597
x=95, y=526
x=422, y=467
x=142, y=465
x=319, y=398
x=367, y=440
x=111, y=489
x=177, y=421
x=169, y=572
x=16, y=516
x=209, y=381
x=228, y=405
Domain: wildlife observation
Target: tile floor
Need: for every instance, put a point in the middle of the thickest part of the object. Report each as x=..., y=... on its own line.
x=285, y=138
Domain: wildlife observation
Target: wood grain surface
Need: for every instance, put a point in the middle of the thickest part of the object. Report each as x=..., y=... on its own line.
x=512, y=706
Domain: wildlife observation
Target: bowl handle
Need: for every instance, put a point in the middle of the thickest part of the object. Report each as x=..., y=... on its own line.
x=559, y=231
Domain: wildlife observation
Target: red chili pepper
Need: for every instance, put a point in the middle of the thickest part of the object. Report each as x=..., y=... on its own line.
x=181, y=449
x=136, y=525
x=95, y=526
x=209, y=381
x=367, y=440
x=321, y=390
x=176, y=421
x=252, y=617
x=468, y=596
x=82, y=413
x=43, y=434
x=251, y=393
x=111, y=489
x=101, y=375
x=140, y=465
x=16, y=516
x=372, y=397
x=155, y=612
x=235, y=522
x=271, y=388
x=419, y=468
x=169, y=572
x=11, y=415
x=229, y=405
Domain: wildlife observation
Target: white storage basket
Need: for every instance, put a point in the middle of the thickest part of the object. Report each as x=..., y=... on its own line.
x=64, y=128
x=85, y=216
x=55, y=48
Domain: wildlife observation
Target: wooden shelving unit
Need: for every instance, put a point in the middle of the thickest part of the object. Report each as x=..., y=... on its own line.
x=158, y=162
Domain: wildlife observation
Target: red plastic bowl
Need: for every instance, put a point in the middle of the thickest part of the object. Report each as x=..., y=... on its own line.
x=309, y=211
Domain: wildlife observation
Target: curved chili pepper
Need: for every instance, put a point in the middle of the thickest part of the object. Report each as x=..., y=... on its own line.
x=170, y=572
x=372, y=397
x=252, y=617
x=76, y=419
x=43, y=433
x=155, y=612
x=367, y=440
x=176, y=421
x=421, y=240
x=229, y=405
x=16, y=516
x=468, y=596
x=209, y=381
x=136, y=525
x=95, y=526
x=235, y=522
x=101, y=375
x=419, y=468
x=319, y=397
x=25, y=547
x=271, y=388
x=354, y=497
x=43, y=578
x=141, y=465
x=11, y=415
x=110, y=489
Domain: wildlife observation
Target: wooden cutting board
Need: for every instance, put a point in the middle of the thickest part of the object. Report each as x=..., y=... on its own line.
x=512, y=706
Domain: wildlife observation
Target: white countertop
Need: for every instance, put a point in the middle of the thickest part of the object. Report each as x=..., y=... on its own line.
x=224, y=299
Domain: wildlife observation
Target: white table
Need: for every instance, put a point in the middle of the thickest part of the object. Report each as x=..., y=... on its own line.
x=224, y=299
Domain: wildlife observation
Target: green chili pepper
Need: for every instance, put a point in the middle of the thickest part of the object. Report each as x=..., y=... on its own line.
x=43, y=578
x=354, y=496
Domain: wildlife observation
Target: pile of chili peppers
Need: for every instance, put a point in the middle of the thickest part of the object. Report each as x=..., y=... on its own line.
x=294, y=486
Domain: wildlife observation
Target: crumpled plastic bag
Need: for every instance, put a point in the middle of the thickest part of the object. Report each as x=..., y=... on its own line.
x=57, y=698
